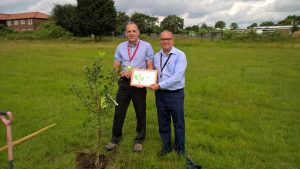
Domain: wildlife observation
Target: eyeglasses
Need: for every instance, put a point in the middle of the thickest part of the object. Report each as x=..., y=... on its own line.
x=165, y=39
x=131, y=31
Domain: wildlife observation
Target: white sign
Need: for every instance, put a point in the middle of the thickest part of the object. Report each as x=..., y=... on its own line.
x=143, y=78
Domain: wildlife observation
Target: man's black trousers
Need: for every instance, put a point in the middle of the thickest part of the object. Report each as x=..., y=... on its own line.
x=125, y=94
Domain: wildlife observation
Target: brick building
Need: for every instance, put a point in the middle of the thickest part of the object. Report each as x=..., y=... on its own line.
x=23, y=21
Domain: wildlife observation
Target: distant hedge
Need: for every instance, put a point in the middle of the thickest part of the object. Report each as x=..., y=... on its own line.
x=47, y=30
x=253, y=36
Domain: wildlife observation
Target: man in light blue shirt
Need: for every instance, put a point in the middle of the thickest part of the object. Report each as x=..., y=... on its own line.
x=130, y=54
x=141, y=56
x=171, y=64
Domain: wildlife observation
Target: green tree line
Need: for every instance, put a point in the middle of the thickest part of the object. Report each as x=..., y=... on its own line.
x=99, y=17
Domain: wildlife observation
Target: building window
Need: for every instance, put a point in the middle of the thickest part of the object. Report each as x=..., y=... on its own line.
x=16, y=22
x=22, y=22
x=29, y=21
x=8, y=23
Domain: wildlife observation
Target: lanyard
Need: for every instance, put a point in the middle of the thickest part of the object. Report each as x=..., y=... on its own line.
x=128, y=49
x=162, y=67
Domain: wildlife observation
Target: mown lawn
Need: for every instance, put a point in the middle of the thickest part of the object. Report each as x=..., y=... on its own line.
x=241, y=106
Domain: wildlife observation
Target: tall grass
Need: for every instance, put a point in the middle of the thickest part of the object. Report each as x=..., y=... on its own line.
x=241, y=106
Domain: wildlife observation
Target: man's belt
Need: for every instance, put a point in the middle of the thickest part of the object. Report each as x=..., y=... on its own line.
x=169, y=91
x=124, y=79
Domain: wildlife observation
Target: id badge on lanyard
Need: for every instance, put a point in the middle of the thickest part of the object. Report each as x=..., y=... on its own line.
x=130, y=66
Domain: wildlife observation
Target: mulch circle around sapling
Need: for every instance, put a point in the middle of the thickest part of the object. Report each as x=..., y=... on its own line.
x=87, y=160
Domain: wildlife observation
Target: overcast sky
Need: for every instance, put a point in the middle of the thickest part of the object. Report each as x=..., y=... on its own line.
x=194, y=12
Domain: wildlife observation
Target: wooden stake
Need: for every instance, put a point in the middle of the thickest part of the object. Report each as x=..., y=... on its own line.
x=28, y=136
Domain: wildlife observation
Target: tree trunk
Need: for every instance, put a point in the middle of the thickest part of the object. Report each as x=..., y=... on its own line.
x=97, y=162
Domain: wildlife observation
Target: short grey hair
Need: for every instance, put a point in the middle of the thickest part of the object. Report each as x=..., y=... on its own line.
x=132, y=23
x=167, y=31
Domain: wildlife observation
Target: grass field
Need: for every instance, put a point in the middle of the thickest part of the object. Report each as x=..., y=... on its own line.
x=242, y=106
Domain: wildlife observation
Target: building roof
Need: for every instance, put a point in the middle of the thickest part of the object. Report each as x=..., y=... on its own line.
x=275, y=27
x=28, y=15
x=3, y=16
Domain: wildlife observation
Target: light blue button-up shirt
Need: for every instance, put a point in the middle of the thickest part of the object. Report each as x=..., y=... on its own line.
x=143, y=54
x=172, y=77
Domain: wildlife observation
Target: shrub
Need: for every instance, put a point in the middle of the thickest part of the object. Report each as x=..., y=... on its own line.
x=253, y=36
x=51, y=31
x=47, y=30
x=4, y=30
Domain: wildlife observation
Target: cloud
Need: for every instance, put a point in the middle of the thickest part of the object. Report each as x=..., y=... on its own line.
x=287, y=6
x=13, y=6
x=194, y=12
x=18, y=6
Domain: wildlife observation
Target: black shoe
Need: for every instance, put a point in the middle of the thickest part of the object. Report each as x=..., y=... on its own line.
x=163, y=152
x=181, y=153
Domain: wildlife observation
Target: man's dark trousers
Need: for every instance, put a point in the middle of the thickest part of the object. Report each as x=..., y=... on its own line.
x=125, y=94
x=170, y=104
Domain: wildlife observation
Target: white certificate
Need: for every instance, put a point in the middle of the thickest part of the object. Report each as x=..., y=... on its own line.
x=143, y=78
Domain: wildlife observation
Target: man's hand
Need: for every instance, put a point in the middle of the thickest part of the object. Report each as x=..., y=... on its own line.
x=139, y=86
x=154, y=86
x=126, y=74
